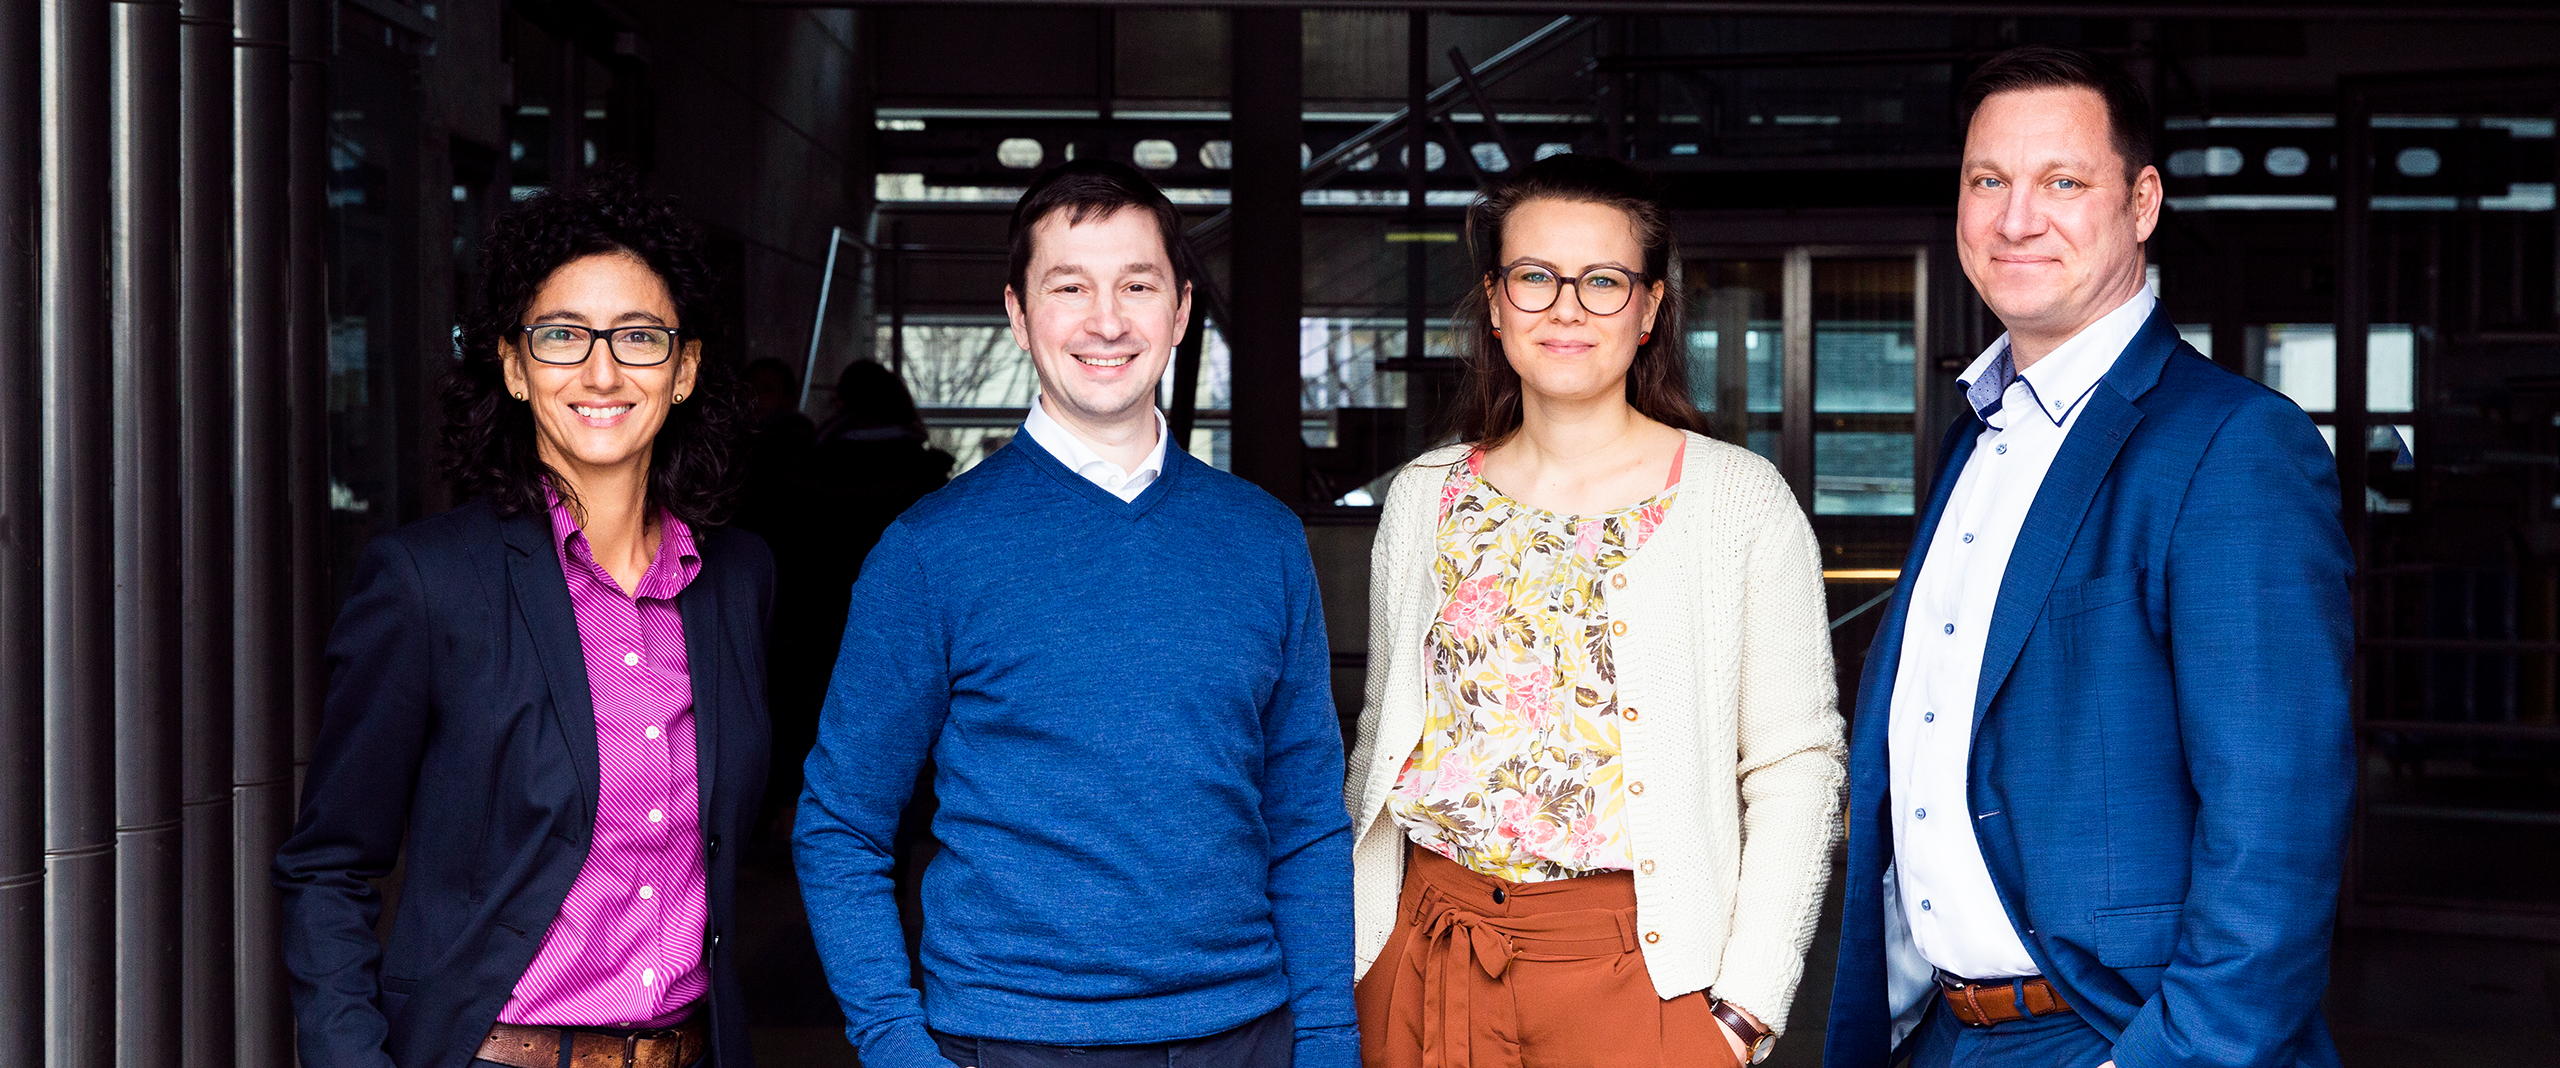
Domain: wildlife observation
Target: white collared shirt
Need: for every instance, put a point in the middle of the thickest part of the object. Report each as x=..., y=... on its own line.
x=1947, y=907
x=1080, y=457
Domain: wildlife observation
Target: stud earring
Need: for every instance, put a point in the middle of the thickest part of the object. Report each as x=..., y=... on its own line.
x=519, y=396
x=1644, y=337
x=1497, y=330
x=679, y=398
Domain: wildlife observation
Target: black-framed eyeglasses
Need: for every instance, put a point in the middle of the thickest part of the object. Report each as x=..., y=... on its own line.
x=1601, y=290
x=565, y=345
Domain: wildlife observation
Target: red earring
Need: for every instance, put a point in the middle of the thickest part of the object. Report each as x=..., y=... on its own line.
x=1497, y=331
x=1644, y=337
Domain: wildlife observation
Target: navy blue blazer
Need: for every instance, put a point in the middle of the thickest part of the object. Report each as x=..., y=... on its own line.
x=458, y=724
x=2162, y=762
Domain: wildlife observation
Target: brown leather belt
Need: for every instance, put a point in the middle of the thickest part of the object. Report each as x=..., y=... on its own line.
x=522, y=1046
x=1998, y=1001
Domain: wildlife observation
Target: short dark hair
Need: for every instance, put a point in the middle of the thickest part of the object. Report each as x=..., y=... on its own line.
x=1488, y=410
x=2047, y=67
x=1094, y=189
x=489, y=437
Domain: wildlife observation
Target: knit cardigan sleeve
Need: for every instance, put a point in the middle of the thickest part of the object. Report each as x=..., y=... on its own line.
x=1790, y=762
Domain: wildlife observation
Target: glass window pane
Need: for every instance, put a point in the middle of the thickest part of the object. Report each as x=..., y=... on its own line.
x=2391, y=369
x=1862, y=473
x=1862, y=335
x=2300, y=360
x=1864, y=385
x=1734, y=351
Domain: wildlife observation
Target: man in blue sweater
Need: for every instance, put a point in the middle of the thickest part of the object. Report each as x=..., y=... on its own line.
x=1115, y=656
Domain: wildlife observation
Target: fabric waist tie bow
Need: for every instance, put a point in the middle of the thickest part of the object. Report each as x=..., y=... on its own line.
x=1465, y=954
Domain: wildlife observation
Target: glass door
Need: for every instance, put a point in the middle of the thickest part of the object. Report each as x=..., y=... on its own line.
x=1809, y=356
x=2440, y=385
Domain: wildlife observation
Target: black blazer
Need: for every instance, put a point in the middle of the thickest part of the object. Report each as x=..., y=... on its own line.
x=458, y=722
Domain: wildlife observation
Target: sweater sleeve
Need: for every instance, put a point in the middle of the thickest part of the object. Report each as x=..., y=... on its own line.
x=1790, y=761
x=884, y=708
x=1310, y=837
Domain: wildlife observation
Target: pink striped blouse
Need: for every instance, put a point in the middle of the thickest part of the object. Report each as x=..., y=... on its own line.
x=626, y=949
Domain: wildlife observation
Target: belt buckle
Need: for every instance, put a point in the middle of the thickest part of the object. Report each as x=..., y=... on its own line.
x=631, y=1044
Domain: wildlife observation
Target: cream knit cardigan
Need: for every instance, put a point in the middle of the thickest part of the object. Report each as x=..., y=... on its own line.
x=1732, y=731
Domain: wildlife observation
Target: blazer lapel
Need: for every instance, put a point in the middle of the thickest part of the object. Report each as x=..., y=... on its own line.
x=699, y=604
x=2062, y=503
x=542, y=597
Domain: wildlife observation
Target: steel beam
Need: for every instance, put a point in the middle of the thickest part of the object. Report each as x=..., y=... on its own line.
x=1266, y=251
x=143, y=317
x=204, y=429
x=262, y=536
x=79, y=536
x=22, y=943
x=1795, y=377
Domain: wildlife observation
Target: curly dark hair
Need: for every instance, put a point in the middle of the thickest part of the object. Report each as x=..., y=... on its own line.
x=489, y=438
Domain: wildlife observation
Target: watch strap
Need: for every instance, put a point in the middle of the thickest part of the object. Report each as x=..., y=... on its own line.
x=1755, y=1038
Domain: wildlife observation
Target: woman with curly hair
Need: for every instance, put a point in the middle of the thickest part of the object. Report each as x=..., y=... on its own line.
x=1594, y=787
x=550, y=698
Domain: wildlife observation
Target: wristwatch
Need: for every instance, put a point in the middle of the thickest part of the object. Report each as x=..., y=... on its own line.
x=1755, y=1038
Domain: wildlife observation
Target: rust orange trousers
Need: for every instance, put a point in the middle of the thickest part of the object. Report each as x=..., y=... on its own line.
x=1481, y=973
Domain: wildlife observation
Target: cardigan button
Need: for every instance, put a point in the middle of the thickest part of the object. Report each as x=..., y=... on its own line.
x=1627, y=713
x=1652, y=936
x=1645, y=867
x=1619, y=627
x=1618, y=581
x=1636, y=788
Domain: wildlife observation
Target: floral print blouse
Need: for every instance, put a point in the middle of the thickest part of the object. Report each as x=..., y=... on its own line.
x=1518, y=774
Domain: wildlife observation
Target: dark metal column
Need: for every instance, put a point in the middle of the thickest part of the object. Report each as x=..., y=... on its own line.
x=262, y=604
x=1795, y=416
x=1266, y=250
x=1419, y=410
x=204, y=429
x=21, y=567
x=2355, y=311
x=143, y=315
x=307, y=391
x=79, y=538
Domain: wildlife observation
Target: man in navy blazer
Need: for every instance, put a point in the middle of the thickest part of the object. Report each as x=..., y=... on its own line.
x=2102, y=764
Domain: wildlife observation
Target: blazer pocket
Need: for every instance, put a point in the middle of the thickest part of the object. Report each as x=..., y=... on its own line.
x=2137, y=936
x=2095, y=594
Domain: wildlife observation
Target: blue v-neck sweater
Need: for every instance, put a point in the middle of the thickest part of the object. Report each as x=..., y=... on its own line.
x=1130, y=715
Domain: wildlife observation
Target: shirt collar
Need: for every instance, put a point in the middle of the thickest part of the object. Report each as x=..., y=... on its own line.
x=2057, y=383
x=1071, y=450
x=673, y=569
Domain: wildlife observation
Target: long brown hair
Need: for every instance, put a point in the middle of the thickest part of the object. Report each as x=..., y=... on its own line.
x=1487, y=411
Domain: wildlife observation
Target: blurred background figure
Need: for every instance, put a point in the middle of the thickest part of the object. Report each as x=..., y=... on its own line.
x=821, y=495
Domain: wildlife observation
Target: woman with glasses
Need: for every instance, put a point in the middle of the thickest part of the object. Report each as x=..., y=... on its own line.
x=1596, y=779
x=550, y=699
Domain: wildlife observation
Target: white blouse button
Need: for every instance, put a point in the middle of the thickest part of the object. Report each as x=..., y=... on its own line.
x=631, y=660
x=655, y=815
x=648, y=892
x=648, y=977
x=650, y=733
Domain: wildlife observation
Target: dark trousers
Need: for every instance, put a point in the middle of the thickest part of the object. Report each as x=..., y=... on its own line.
x=1268, y=1042
x=2060, y=1040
